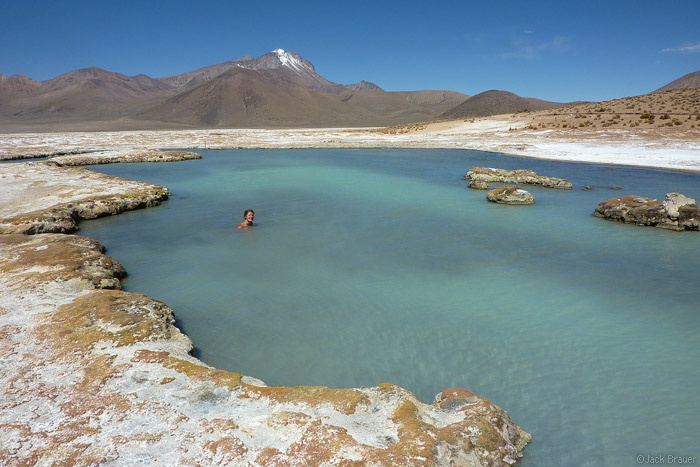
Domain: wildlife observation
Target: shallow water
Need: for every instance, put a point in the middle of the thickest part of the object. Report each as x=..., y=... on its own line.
x=368, y=266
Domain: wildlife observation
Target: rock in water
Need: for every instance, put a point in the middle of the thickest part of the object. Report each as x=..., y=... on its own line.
x=676, y=212
x=510, y=194
x=689, y=217
x=477, y=185
x=525, y=177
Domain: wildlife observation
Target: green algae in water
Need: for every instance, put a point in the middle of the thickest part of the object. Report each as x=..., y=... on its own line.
x=368, y=266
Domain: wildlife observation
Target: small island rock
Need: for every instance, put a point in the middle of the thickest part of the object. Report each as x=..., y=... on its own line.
x=676, y=212
x=510, y=194
x=525, y=177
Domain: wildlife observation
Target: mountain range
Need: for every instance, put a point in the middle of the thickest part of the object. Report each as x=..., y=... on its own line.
x=279, y=89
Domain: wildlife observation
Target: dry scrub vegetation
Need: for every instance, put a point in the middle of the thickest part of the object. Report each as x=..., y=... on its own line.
x=405, y=128
x=675, y=108
x=674, y=111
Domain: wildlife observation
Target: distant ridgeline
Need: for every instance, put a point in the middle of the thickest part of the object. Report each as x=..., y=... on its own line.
x=278, y=89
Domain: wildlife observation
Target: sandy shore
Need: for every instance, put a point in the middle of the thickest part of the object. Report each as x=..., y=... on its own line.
x=660, y=148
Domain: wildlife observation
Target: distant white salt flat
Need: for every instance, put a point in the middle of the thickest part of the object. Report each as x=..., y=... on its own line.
x=680, y=157
x=492, y=135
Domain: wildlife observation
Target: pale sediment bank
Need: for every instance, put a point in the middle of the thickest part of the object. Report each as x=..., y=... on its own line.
x=90, y=374
x=653, y=148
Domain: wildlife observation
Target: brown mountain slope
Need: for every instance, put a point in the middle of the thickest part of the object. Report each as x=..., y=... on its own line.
x=496, y=102
x=263, y=98
x=440, y=100
x=18, y=85
x=293, y=66
x=85, y=94
x=691, y=80
x=277, y=89
x=241, y=97
x=13, y=89
x=138, y=84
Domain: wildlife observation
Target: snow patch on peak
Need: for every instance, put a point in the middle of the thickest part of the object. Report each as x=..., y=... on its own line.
x=286, y=58
x=280, y=58
x=292, y=61
x=283, y=56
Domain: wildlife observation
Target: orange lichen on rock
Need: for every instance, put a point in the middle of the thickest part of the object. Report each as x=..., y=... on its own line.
x=52, y=257
x=344, y=401
x=226, y=450
x=112, y=316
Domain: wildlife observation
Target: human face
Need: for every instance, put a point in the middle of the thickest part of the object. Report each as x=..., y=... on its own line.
x=250, y=216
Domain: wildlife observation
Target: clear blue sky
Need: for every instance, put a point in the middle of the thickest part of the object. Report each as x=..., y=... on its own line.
x=553, y=50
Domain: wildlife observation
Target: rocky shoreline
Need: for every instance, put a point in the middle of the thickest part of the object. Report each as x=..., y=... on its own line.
x=91, y=374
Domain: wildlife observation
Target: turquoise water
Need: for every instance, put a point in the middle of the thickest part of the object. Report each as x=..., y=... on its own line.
x=368, y=266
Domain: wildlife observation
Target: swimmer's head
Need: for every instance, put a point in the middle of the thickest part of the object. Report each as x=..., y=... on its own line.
x=249, y=215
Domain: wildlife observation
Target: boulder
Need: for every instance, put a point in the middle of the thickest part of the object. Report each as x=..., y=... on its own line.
x=524, y=177
x=674, y=201
x=676, y=212
x=689, y=217
x=477, y=185
x=510, y=194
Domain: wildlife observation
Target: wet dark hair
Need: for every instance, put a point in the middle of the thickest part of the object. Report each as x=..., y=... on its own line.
x=245, y=213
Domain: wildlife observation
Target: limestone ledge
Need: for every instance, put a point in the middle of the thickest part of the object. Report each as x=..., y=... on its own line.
x=90, y=374
x=41, y=197
x=487, y=175
x=124, y=156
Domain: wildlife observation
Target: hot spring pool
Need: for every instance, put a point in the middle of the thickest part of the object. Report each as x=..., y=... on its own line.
x=368, y=266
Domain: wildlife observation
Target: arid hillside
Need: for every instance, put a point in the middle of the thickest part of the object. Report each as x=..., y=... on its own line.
x=691, y=80
x=679, y=108
x=662, y=112
x=497, y=102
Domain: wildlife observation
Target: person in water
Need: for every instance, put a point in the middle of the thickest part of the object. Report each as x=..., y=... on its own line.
x=248, y=216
